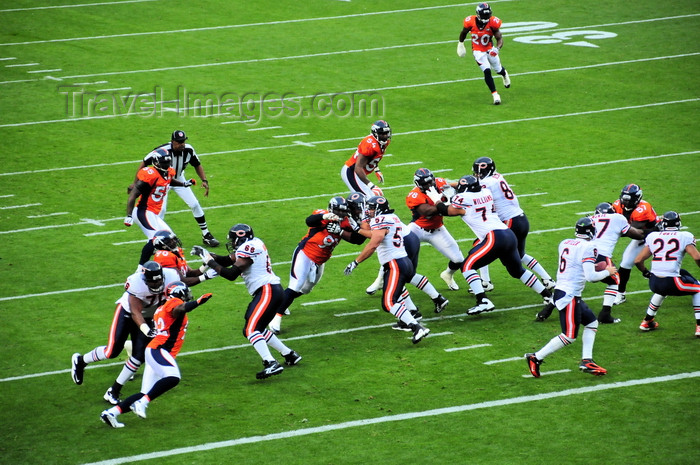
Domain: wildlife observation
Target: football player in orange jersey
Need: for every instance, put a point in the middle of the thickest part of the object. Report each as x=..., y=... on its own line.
x=183, y=154
x=428, y=225
x=366, y=160
x=640, y=215
x=326, y=229
x=151, y=189
x=161, y=373
x=483, y=28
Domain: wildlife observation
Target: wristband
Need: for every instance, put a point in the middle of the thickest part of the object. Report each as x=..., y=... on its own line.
x=145, y=329
x=203, y=268
x=203, y=278
x=441, y=208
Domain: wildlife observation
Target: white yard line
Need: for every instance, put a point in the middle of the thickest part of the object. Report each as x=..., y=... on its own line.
x=489, y=404
x=73, y=6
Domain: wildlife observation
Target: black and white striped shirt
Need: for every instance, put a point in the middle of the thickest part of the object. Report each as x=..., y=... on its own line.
x=180, y=159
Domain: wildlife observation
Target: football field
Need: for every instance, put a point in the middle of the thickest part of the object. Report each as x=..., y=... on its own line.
x=275, y=97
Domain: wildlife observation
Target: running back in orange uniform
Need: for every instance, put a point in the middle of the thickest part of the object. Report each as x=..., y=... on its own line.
x=171, y=329
x=153, y=200
x=366, y=159
x=483, y=29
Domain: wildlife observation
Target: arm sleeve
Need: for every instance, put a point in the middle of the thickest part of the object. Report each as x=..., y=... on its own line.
x=314, y=220
x=223, y=260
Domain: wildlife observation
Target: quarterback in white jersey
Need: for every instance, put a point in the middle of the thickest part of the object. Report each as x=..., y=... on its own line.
x=132, y=319
x=668, y=247
x=576, y=266
x=609, y=227
x=248, y=257
x=495, y=241
x=508, y=210
x=387, y=240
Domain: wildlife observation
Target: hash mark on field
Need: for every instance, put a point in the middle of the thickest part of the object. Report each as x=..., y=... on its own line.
x=512, y=359
x=241, y=121
x=133, y=242
x=356, y=313
x=91, y=221
x=560, y=203
x=280, y=136
x=397, y=417
x=20, y=206
x=44, y=70
x=48, y=214
x=319, y=302
x=406, y=164
x=105, y=232
x=7, y=195
x=343, y=150
x=265, y=128
x=475, y=346
x=18, y=65
x=112, y=90
x=544, y=373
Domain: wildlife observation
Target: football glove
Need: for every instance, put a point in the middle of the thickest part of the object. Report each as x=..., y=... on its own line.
x=493, y=51
x=379, y=175
x=202, y=253
x=191, y=182
x=128, y=221
x=148, y=331
x=331, y=217
x=646, y=274
x=204, y=298
x=461, y=50
x=334, y=228
x=434, y=195
x=350, y=268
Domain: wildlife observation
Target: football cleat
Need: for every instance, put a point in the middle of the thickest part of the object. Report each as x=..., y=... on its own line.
x=400, y=326
x=292, y=358
x=484, y=306
x=607, y=318
x=589, y=366
x=651, y=325
x=549, y=284
x=545, y=312
x=620, y=299
x=496, y=98
x=270, y=369
x=440, y=303
x=533, y=364
x=449, y=280
x=110, y=397
x=139, y=407
x=419, y=332
x=375, y=286
x=506, y=80
x=77, y=368
x=415, y=313
x=110, y=419
x=210, y=240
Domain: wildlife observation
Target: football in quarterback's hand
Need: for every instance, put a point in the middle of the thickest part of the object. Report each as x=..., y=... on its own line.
x=600, y=266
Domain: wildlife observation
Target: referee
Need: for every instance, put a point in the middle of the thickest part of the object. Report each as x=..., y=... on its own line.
x=182, y=155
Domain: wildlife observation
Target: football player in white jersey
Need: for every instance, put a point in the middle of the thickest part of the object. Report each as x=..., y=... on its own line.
x=248, y=258
x=494, y=240
x=576, y=266
x=132, y=318
x=508, y=210
x=387, y=240
x=609, y=227
x=668, y=247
